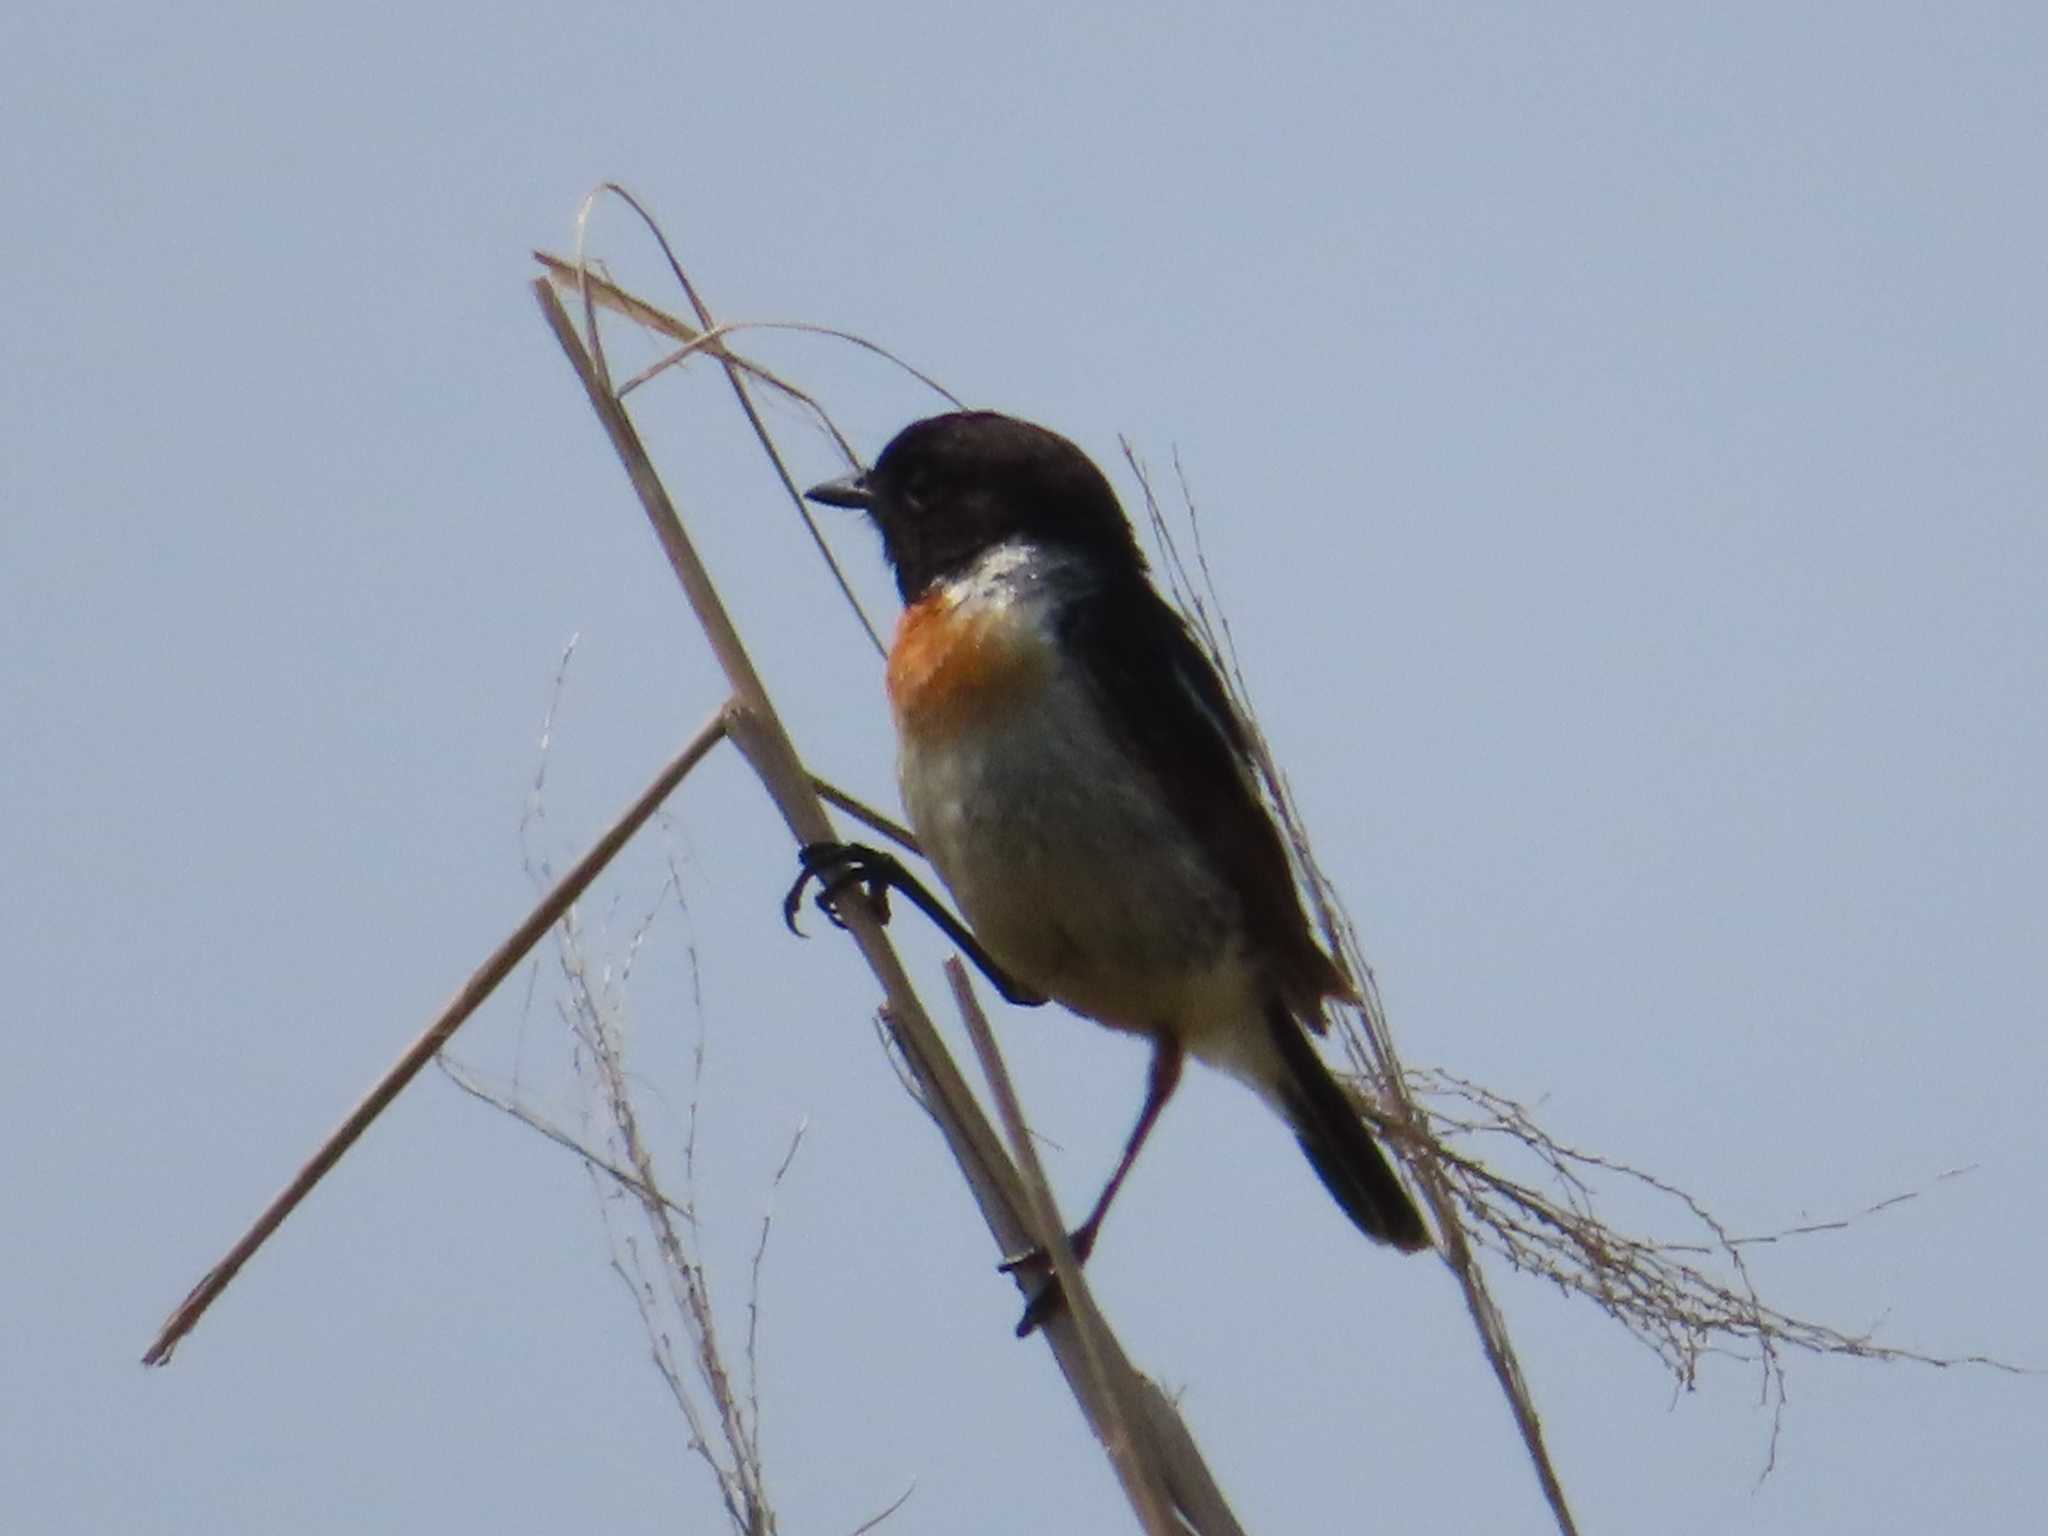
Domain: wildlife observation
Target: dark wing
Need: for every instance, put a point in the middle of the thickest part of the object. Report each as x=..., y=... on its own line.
x=1158, y=689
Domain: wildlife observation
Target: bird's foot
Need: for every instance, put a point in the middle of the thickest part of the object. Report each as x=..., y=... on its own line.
x=839, y=867
x=1046, y=1301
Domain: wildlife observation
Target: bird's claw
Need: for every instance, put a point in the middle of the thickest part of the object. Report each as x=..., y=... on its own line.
x=1046, y=1301
x=1051, y=1296
x=837, y=867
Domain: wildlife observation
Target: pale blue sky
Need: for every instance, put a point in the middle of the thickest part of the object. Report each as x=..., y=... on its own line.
x=1619, y=441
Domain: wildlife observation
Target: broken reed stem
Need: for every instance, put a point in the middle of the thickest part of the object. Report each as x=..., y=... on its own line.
x=495, y=968
x=734, y=368
x=1142, y=1477
x=867, y=815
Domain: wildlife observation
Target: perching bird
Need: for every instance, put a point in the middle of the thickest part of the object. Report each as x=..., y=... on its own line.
x=1079, y=778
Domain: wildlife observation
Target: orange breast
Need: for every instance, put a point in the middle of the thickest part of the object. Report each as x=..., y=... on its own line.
x=953, y=663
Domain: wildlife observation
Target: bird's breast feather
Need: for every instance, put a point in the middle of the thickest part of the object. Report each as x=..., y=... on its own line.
x=955, y=663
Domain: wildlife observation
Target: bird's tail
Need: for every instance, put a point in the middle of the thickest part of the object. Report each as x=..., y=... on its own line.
x=1337, y=1144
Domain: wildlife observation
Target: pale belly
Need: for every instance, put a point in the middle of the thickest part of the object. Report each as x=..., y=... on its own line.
x=1074, y=878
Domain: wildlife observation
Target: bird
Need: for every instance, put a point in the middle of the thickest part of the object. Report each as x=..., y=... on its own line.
x=1078, y=776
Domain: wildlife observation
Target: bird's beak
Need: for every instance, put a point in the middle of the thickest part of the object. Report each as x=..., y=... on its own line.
x=847, y=491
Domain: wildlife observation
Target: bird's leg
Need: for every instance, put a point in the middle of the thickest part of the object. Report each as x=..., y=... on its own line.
x=839, y=867
x=1164, y=1077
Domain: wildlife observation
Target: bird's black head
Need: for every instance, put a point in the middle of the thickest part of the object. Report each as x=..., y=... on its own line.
x=949, y=488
